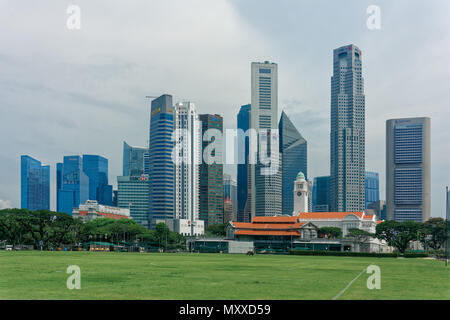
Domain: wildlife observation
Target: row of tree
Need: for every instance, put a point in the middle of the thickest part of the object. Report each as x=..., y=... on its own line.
x=432, y=233
x=48, y=229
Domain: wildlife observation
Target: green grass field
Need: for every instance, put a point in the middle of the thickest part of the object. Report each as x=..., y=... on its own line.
x=42, y=275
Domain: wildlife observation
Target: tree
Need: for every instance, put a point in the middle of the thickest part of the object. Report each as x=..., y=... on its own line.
x=330, y=232
x=63, y=228
x=162, y=233
x=398, y=234
x=218, y=230
x=433, y=233
x=11, y=229
x=360, y=236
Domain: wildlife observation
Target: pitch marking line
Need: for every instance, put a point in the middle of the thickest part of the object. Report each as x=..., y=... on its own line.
x=348, y=286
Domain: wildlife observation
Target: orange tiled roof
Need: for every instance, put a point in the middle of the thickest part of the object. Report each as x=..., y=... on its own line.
x=327, y=215
x=265, y=226
x=267, y=233
x=368, y=217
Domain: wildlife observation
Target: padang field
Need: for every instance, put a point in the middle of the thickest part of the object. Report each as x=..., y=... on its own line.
x=42, y=275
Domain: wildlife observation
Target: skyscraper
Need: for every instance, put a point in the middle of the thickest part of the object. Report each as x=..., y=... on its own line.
x=34, y=184
x=347, y=140
x=293, y=148
x=133, y=193
x=372, y=188
x=321, y=194
x=265, y=187
x=96, y=168
x=161, y=168
x=243, y=123
x=211, y=175
x=230, y=191
x=408, y=166
x=72, y=184
x=187, y=157
x=133, y=160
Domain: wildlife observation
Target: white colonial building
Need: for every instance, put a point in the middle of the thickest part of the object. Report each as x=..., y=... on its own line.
x=343, y=220
x=92, y=210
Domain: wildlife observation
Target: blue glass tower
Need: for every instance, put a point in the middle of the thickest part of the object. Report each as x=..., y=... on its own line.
x=243, y=123
x=35, y=184
x=72, y=184
x=321, y=194
x=161, y=168
x=294, y=160
x=134, y=160
x=372, y=188
x=96, y=168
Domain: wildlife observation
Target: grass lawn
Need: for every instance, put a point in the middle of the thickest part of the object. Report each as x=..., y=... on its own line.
x=42, y=275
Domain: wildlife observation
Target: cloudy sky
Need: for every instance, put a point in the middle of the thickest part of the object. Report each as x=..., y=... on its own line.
x=83, y=91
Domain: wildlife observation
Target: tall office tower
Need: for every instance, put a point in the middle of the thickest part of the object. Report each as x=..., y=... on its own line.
x=408, y=166
x=96, y=168
x=372, y=188
x=133, y=160
x=265, y=187
x=347, y=140
x=230, y=191
x=211, y=175
x=243, y=123
x=147, y=162
x=34, y=184
x=321, y=194
x=293, y=148
x=187, y=157
x=133, y=193
x=161, y=168
x=72, y=184
x=227, y=210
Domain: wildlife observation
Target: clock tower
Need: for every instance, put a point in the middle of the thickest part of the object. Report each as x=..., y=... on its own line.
x=300, y=194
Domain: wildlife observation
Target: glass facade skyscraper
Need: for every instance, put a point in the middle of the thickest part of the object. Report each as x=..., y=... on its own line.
x=230, y=192
x=34, y=184
x=347, y=138
x=372, y=188
x=96, y=168
x=408, y=166
x=321, y=194
x=243, y=123
x=133, y=160
x=211, y=175
x=72, y=184
x=293, y=148
x=82, y=178
x=161, y=167
x=133, y=193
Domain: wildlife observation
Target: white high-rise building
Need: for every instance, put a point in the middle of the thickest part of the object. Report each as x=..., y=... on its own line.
x=301, y=194
x=187, y=157
x=347, y=139
x=265, y=190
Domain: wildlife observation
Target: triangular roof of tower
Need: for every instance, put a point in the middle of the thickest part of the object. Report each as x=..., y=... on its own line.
x=285, y=125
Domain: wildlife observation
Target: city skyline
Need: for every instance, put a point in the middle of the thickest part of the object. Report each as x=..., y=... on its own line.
x=405, y=98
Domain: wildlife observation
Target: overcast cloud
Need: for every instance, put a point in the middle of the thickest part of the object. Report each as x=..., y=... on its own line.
x=68, y=92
